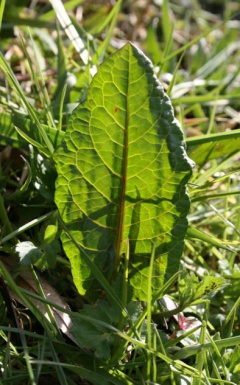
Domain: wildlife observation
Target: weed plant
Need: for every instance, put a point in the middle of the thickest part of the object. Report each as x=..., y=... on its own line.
x=181, y=329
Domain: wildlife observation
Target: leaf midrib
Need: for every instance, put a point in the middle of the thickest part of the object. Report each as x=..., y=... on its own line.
x=121, y=216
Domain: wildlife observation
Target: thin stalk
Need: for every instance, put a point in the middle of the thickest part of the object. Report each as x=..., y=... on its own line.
x=25, y=227
x=150, y=357
x=230, y=317
x=7, y=228
x=189, y=351
x=201, y=356
x=41, y=292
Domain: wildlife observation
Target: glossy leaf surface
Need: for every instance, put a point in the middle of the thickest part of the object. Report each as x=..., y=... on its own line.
x=122, y=174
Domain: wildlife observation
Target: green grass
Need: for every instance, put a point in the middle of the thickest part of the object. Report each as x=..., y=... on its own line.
x=187, y=332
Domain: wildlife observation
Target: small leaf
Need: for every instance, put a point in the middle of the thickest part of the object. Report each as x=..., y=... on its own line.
x=190, y=289
x=50, y=233
x=122, y=174
x=209, y=285
x=98, y=336
x=91, y=335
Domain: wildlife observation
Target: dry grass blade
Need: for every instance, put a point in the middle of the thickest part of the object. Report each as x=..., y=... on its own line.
x=70, y=30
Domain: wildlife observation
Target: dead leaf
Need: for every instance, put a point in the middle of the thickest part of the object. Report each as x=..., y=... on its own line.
x=25, y=280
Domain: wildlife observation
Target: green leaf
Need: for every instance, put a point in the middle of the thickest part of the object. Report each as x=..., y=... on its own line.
x=122, y=174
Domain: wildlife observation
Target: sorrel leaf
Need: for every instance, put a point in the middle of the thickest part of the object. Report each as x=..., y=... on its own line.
x=122, y=174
